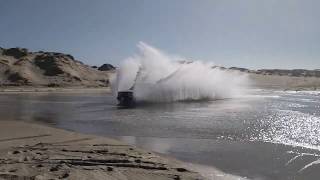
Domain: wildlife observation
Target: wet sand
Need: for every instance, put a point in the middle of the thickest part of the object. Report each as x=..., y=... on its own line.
x=32, y=151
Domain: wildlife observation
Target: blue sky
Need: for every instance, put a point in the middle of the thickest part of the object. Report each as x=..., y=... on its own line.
x=244, y=33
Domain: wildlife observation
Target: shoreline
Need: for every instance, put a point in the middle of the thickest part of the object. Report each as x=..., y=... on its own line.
x=81, y=89
x=55, y=90
x=35, y=151
x=208, y=171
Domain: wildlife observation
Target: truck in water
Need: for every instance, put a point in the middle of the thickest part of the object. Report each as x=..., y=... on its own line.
x=126, y=99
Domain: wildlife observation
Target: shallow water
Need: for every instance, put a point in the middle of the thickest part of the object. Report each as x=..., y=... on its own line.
x=255, y=136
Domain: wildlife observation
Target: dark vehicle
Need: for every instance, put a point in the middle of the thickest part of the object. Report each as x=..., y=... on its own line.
x=126, y=99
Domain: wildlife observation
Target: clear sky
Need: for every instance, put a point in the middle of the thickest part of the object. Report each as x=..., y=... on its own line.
x=244, y=33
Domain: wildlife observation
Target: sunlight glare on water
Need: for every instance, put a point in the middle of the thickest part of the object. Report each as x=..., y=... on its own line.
x=293, y=128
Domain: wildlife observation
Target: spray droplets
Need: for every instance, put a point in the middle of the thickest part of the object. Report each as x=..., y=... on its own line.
x=154, y=76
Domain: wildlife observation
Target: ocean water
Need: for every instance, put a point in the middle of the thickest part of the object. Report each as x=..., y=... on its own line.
x=265, y=135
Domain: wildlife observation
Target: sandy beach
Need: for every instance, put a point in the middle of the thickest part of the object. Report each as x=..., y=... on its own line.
x=35, y=151
x=32, y=151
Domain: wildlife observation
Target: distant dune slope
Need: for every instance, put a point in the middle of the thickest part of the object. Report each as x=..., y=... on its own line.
x=283, y=78
x=285, y=82
x=19, y=67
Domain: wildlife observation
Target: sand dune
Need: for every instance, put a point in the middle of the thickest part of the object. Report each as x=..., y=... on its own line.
x=296, y=79
x=19, y=67
x=285, y=82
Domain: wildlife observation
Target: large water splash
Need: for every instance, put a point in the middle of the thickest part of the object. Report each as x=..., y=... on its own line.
x=158, y=77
